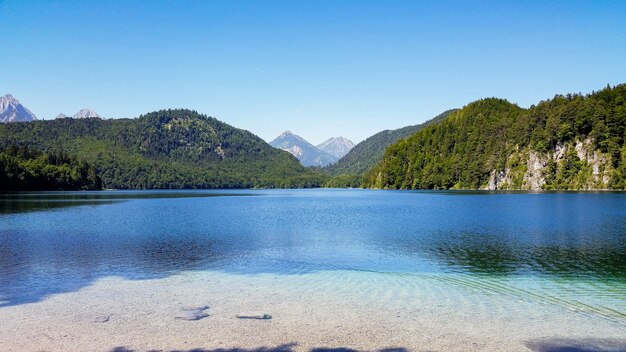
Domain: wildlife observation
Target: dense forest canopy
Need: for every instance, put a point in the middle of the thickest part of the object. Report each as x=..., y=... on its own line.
x=572, y=141
x=165, y=149
x=24, y=168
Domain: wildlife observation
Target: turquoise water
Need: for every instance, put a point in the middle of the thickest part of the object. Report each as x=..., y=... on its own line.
x=560, y=249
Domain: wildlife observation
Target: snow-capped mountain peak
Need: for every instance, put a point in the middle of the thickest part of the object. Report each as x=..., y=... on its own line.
x=337, y=146
x=11, y=110
x=86, y=113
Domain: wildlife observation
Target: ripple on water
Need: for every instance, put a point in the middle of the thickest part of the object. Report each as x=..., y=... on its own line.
x=485, y=294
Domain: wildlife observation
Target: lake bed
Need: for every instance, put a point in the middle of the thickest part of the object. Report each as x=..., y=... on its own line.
x=355, y=269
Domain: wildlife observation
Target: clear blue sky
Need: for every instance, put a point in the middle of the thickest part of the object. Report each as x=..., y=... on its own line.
x=318, y=68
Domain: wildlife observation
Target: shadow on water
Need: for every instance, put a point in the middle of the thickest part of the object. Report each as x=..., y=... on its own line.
x=21, y=202
x=577, y=345
x=72, y=266
x=15, y=203
x=98, y=195
x=289, y=347
x=21, y=206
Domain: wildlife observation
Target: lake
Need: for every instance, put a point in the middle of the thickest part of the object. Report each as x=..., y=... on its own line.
x=509, y=256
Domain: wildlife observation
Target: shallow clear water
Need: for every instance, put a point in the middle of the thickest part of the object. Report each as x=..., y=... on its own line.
x=564, y=250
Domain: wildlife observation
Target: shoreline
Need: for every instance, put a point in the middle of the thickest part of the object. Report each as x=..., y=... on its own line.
x=324, y=310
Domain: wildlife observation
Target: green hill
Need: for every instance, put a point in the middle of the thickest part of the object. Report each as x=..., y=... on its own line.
x=370, y=152
x=569, y=142
x=165, y=149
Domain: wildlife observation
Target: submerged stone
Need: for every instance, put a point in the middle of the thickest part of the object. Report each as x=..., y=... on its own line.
x=254, y=316
x=102, y=319
x=193, y=313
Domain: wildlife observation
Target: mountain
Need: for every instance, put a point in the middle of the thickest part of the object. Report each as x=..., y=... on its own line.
x=337, y=146
x=81, y=114
x=164, y=149
x=571, y=142
x=86, y=113
x=307, y=153
x=11, y=110
x=369, y=152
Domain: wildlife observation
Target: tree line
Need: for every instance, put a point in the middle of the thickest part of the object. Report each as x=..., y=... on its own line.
x=25, y=168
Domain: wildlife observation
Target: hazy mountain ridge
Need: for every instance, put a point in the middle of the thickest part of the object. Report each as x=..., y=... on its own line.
x=336, y=146
x=569, y=142
x=80, y=114
x=307, y=153
x=11, y=110
x=86, y=113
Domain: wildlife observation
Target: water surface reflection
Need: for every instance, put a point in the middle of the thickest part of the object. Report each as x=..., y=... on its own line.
x=61, y=241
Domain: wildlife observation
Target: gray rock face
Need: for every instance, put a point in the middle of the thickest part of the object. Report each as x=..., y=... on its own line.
x=61, y=116
x=86, y=113
x=533, y=176
x=337, y=146
x=307, y=153
x=11, y=110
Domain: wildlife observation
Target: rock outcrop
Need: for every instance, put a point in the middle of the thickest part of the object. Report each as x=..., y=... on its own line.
x=531, y=170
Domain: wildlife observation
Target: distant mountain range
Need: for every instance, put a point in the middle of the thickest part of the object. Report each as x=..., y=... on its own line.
x=337, y=146
x=370, y=152
x=81, y=114
x=310, y=155
x=86, y=113
x=11, y=110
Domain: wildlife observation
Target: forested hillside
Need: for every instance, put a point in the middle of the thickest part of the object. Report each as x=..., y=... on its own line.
x=165, y=149
x=26, y=169
x=569, y=142
x=370, y=152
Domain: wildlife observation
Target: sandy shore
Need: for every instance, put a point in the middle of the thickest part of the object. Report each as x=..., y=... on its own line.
x=325, y=310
